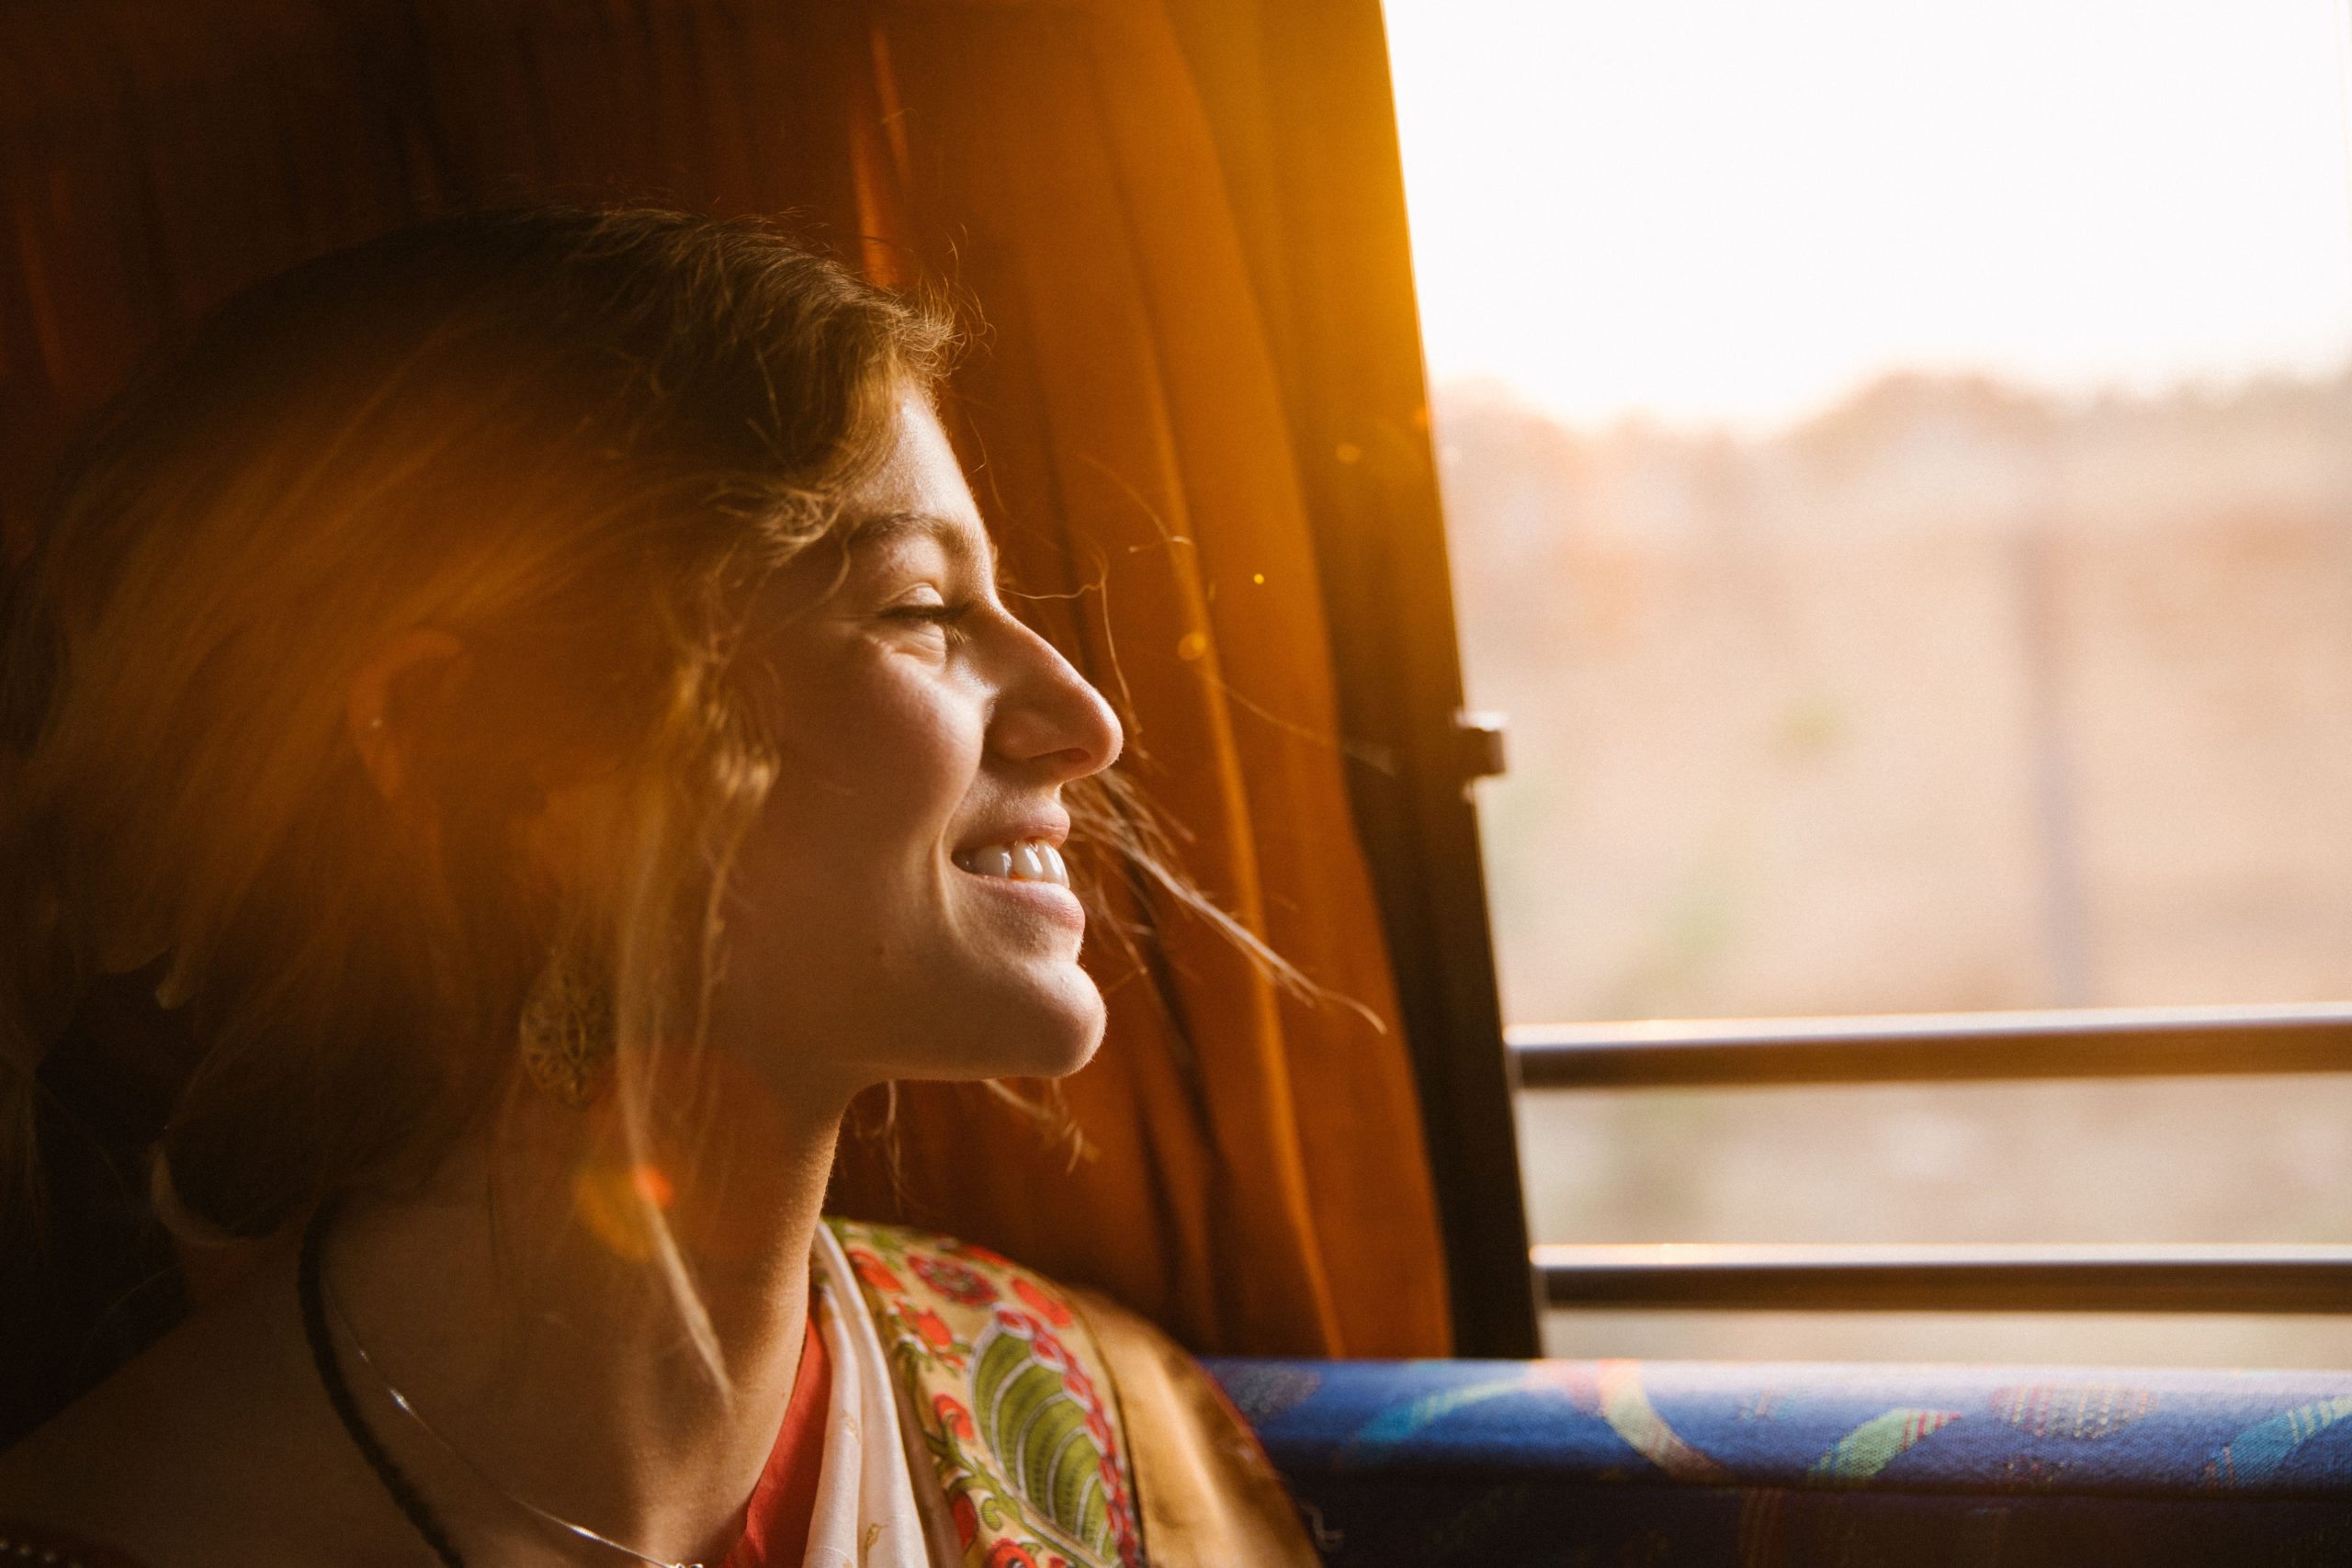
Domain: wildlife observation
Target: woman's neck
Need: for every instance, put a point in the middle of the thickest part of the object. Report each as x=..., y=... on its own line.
x=524, y=1308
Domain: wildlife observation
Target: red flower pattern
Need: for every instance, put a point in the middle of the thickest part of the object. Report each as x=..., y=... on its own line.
x=1009, y=1554
x=967, y=1517
x=928, y=1325
x=1045, y=1306
x=952, y=1280
x=874, y=1271
x=953, y=1417
x=979, y=1254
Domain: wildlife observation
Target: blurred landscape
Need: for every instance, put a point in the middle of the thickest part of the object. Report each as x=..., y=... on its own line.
x=1947, y=699
x=1953, y=697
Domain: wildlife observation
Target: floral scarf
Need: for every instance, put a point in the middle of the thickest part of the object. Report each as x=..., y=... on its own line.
x=1000, y=1394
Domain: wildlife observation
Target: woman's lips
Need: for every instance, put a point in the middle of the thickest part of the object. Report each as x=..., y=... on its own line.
x=1051, y=900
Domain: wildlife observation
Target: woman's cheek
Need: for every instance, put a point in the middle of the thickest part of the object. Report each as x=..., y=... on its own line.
x=892, y=749
x=930, y=735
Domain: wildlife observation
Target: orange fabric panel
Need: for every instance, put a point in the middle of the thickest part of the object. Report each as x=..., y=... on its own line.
x=1255, y=1177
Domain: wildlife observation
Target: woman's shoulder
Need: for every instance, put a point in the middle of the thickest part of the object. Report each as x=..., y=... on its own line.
x=1012, y=1398
x=1206, y=1492
x=1055, y=1401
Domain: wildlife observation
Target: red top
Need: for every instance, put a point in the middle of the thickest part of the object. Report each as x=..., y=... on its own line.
x=777, y=1519
x=775, y=1523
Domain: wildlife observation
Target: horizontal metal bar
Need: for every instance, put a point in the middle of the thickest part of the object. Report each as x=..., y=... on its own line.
x=2254, y=1278
x=2088, y=1043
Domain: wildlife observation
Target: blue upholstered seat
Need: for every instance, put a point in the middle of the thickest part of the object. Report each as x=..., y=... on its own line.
x=1760, y=1464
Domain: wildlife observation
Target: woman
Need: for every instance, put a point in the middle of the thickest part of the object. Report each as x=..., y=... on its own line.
x=533, y=694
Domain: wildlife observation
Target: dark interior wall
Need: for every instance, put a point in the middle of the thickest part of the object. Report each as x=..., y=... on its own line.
x=155, y=155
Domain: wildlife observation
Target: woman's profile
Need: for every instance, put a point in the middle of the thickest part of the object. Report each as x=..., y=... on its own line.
x=532, y=696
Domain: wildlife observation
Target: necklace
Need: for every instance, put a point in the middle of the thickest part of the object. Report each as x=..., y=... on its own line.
x=317, y=1302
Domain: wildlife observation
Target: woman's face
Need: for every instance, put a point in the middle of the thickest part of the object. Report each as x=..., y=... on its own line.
x=924, y=735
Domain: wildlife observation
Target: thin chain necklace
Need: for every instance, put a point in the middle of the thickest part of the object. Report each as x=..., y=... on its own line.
x=316, y=1304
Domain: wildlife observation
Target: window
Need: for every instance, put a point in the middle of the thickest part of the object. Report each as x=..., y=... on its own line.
x=1898, y=463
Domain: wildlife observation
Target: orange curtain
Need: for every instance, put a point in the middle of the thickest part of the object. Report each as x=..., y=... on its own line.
x=1252, y=1170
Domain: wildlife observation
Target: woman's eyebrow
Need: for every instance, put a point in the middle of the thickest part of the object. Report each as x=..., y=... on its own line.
x=953, y=538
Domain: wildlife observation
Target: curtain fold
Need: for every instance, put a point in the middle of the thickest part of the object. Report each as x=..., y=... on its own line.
x=1250, y=1168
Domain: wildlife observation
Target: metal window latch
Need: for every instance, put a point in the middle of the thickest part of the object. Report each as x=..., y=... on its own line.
x=1478, y=744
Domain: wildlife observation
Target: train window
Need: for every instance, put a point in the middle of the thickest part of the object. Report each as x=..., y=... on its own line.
x=1898, y=470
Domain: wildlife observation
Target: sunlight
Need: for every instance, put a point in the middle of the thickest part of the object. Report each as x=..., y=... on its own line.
x=1710, y=212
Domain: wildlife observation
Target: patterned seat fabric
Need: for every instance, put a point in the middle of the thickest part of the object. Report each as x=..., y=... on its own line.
x=1762, y=1465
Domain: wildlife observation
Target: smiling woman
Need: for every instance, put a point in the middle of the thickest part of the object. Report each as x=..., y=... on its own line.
x=529, y=699
x=917, y=726
x=921, y=737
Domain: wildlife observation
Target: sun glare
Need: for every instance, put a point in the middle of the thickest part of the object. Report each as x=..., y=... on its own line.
x=1711, y=211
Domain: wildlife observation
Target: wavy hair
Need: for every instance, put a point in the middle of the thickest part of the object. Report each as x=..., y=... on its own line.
x=576, y=440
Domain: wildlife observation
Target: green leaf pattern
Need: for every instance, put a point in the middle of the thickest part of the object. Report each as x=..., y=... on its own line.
x=1011, y=1400
x=1861, y=1454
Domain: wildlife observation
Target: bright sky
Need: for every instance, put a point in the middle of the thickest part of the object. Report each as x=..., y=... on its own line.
x=1722, y=210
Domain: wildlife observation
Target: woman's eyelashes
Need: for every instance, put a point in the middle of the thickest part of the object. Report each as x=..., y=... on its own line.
x=945, y=616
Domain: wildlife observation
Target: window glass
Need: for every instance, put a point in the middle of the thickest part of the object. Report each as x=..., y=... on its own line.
x=2243, y=1160
x=1898, y=467
x=1898, y=461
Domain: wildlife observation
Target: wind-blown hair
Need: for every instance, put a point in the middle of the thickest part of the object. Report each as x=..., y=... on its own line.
x=576, y=440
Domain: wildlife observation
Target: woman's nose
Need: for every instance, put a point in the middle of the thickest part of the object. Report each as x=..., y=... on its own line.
x=1049, y=712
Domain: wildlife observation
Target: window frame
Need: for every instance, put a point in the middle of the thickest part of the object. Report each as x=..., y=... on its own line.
x=1302, y=109
x=1987, y=1047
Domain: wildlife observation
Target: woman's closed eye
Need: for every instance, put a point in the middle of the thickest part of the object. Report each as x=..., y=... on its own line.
x=945, y=616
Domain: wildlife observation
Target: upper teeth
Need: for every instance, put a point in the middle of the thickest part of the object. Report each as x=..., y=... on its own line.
x=1023, y=860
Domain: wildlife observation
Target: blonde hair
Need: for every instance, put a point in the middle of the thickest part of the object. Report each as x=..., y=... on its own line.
x=574, y=439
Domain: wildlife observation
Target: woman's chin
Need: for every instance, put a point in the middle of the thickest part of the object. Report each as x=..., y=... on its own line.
x=1077, y=1053
x=1056, y=1042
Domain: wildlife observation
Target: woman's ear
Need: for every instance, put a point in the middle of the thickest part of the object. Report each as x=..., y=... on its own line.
x=380, y=706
